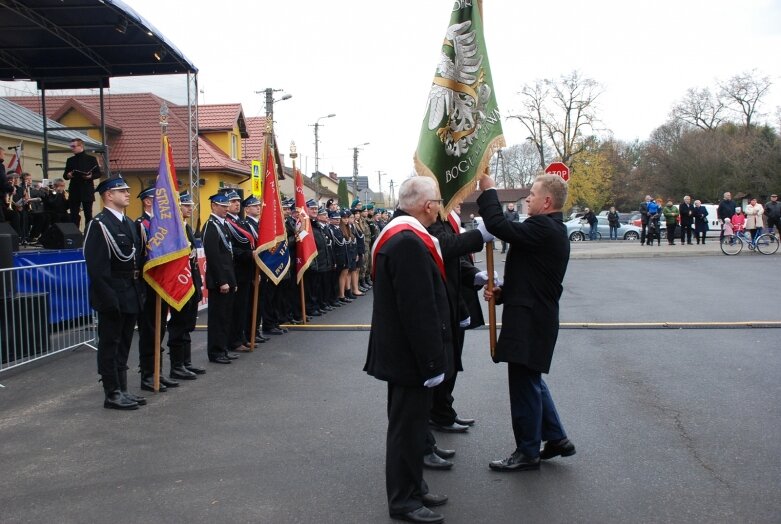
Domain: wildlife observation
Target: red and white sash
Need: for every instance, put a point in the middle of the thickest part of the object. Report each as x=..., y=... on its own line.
x=408, y=223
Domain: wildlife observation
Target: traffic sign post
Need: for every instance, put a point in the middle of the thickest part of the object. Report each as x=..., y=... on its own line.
x=558, y=168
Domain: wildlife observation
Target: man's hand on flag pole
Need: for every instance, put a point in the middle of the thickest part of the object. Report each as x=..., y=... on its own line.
x=487, y=237
x=487, y=183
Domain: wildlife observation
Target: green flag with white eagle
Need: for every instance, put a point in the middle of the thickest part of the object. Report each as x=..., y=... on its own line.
x=462, y=127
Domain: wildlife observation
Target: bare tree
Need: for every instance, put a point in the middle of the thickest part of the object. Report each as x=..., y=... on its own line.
x=699, y=108
x=744, y=93
x=571, y=113
x=522, y=165
x=534, y=98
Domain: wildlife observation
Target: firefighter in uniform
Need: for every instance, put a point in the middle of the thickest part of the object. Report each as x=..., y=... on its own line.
x=182, y=322
x=112, y=251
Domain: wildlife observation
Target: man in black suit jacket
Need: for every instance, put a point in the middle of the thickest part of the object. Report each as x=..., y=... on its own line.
x=410, y=345
x=113, y=254
x=534, y=272
x=220, y=280
x=81, y=169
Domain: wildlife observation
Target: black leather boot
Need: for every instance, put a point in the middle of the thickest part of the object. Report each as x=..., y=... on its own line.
x=114, y=397
x=188, y=361
x=148, y=382
x=178, y=371
x=168, y=382
x=138, y=399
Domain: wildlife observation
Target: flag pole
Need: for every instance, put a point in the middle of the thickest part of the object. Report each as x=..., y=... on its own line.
x=489, y=262
x=253, y=325
x=158, y=307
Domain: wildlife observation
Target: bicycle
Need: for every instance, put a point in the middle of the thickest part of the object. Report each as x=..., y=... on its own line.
x=766, y=243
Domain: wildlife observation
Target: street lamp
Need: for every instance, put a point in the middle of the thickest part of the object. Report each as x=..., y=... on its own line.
x=355, y=167
x=269, y=92
x=316, y=125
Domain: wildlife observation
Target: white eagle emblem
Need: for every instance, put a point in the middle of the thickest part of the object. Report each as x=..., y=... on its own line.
x=458, y=91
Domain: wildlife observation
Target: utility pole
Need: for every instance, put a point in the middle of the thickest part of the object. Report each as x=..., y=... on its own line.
x=379, y=179
x=355, y=167
x=391, y=195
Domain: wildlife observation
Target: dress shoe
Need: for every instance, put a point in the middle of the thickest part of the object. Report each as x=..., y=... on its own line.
x=231, y=356
x=148, y=383
x=465, y=421
x=168, y=382
x=283, y=330
x=116, y=400
x=422, y=514
x=363, y=289
x=345, y=300
x=336, y=303
x=273, y=331
x=194, y=369
x=327, y=308
x=557, y=448
x=296, y=321
x=515, y=462
x=219, y=359
x=434, y=461
x=261, y=339
x=432, y=499
x=316, y=313
x=455, y=427
x=445, y=453
x=181, y=372
x=138, y=399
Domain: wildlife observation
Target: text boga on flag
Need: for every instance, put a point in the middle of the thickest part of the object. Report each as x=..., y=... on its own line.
x=272, y=255
x=167, y=268
x=306, y=250
x=462, y=127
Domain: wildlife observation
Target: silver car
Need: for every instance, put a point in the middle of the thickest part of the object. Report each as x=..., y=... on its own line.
x=578, y=229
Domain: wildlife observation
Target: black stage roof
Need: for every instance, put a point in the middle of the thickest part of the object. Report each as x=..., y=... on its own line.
x=70, y=44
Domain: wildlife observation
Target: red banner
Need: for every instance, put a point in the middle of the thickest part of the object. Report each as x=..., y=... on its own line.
x=306, y=250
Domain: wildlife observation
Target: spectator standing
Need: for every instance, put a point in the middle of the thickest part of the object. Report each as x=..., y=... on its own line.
x=591, y=218
x=754, y=213
x=726, y=208
x=686, y=213
x=653, y=209
x=670, y=213
x=613, y=222
x=511, y=215
x=644, y=219
x=700, y=221
x=773, y=214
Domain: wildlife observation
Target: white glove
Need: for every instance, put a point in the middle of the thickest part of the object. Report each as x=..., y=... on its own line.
x=481, y=278
x=430, y=383
x=465, y=323
x=487, y=237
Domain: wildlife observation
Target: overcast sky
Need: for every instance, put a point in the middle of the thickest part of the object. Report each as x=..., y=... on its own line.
x=372, y=63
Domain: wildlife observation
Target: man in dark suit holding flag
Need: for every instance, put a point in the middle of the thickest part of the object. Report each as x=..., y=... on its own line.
x=410, y=346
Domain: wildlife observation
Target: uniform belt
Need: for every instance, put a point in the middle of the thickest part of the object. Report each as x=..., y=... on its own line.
x=135, y=275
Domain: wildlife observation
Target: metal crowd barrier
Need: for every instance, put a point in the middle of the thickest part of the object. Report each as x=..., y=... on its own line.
x=44, y=309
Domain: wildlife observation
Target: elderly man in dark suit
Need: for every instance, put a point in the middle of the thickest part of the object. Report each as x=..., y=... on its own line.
x=410, y=346
x=534, y=271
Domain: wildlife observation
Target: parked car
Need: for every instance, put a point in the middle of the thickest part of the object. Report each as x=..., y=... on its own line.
x=577, y=230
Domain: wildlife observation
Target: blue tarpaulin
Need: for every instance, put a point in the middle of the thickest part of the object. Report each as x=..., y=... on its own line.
x=65, y=284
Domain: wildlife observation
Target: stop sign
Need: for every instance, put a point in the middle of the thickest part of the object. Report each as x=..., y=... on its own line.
x=558, y=168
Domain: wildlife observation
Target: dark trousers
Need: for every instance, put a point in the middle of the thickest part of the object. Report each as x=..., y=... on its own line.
x=442, y=411
x=533, y=412
x=311, y=290
x=408, y=409
x=219, y=321
x=686, y=234
x=324, y=288
x=242, y=302
x=115, y=334
x=671, y=234
x=643, y=231
x=147, y=344
x=700, y=235
x=74, y=211
x=252, y=329
x=181, y=324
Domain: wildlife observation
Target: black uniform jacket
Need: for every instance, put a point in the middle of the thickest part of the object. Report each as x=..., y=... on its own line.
x=533, y=275
x=194, y=269
x=115, y=285
x=411, y=337
x=219, y=258
x=81, y=187
x=453, y=247
x=324, y=261
x=243, y=253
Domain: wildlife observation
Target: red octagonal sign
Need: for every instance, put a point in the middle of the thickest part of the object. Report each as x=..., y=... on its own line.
x=558, y=168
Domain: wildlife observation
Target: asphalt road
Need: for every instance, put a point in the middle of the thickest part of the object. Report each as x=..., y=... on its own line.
x=671, y=425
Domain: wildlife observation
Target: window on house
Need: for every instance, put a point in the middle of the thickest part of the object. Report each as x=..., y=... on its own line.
x=234, y=147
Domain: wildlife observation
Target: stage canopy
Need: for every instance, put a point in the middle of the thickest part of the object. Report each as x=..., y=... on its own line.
x=76, y=44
